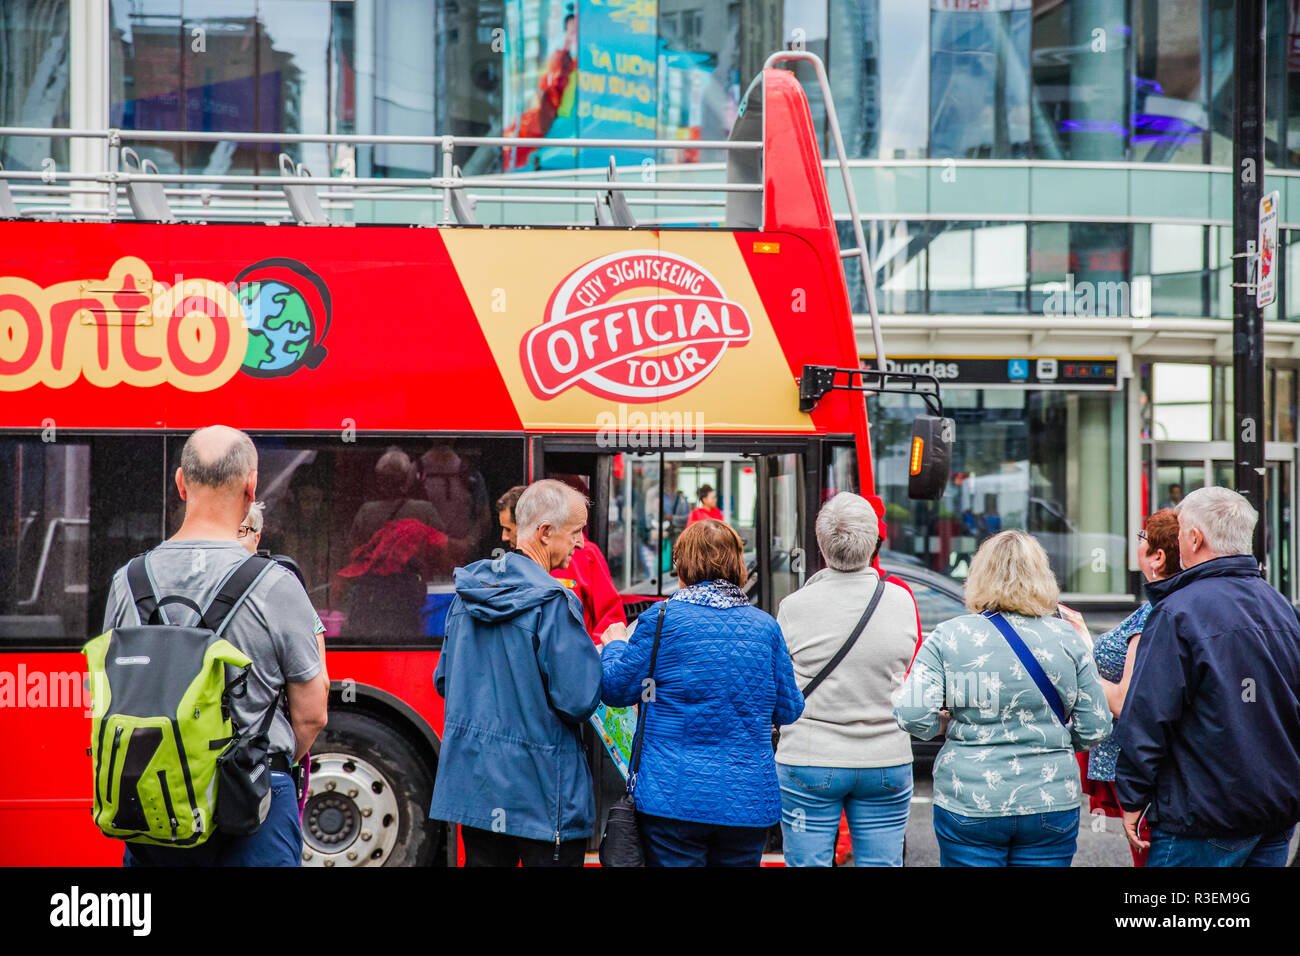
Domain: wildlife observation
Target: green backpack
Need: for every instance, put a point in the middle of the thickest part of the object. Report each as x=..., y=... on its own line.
x=161, y=712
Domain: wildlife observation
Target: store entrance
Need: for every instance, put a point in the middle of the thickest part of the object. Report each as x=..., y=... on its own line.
x=1177, y=468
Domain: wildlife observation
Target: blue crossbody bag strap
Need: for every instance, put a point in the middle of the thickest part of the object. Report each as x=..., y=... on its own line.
x=1030, y=663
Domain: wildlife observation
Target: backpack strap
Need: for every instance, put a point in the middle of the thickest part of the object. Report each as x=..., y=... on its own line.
x=142, y=592
x=232, y=592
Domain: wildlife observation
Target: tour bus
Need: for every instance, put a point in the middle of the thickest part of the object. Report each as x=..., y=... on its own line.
x=380, y=362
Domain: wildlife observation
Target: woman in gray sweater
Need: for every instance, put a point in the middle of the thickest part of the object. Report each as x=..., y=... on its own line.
x=1006, y=783
x=846, y=755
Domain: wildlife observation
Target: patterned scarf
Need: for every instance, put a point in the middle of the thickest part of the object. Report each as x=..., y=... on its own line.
x=712, y=594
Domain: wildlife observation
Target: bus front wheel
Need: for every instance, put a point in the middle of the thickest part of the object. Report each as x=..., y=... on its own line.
x=368, y=798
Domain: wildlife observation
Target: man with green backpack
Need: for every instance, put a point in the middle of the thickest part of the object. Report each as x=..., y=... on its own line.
x=208, y=683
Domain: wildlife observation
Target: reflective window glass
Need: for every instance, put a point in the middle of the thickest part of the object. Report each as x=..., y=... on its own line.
x=1168, y=116
x=34, y=75
x=1082, y=269
x=263, y=65
x=1170, y=258
x=1048, y=462
x=977, y=267
x=376, y=527
x=72, y=510
x=879, y=75
x=841, y=471
x=1079, y=64
x=698, y=81
x=979, y=80
x=1181, y=400
x=899, y=252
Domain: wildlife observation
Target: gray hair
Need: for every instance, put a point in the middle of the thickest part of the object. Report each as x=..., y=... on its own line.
x=545, y=502
x=847, y=531
x=254, y=518
x=218, y=457
x=1225, y=518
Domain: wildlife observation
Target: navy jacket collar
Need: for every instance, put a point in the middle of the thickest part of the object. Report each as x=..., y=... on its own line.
x=1230, y=566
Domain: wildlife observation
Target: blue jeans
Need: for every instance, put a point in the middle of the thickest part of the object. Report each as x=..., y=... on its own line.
x=278, y=842
x=1174, y=849
x=875, y=800
x=668, y=842
x=1033, y=839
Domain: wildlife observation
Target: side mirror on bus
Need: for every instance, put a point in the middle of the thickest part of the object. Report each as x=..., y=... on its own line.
x=931, y=457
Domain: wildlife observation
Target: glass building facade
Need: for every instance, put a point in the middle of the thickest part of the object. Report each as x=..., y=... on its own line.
x=1059, y=162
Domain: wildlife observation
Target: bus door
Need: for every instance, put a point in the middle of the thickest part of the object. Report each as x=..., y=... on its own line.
x=643, y=500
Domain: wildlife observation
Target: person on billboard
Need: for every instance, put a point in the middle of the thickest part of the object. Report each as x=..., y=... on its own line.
x=555, y=90
x=519, y=675
x=587, y=574
x=708, y=506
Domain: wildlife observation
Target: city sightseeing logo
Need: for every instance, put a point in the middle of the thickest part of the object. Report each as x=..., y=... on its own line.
x=130, y=328
x=637, y=326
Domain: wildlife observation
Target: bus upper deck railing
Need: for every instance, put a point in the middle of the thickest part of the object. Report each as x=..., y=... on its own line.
x=310, y=199
x=96, y=191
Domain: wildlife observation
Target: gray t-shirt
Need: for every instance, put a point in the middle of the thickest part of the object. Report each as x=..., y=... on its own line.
x=274, y=626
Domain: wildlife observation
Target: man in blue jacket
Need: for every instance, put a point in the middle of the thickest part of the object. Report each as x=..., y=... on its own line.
x=1210, y=732
x=520, y=677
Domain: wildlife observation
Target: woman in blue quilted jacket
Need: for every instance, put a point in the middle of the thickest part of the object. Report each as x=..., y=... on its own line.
x=707, y=791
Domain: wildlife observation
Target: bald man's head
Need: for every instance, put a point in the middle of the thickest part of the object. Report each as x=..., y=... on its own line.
x=218, y=457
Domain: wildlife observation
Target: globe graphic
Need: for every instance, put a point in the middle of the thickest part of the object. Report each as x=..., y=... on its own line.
x=280, y=327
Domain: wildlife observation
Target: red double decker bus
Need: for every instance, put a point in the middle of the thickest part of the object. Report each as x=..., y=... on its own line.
x=381, y=364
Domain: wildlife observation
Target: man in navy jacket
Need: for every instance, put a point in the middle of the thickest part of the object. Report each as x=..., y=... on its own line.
x=1210, y=733
x=520, y=676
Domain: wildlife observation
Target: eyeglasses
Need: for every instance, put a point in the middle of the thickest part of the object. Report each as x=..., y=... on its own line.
x=246, y=529
x=1142, y=535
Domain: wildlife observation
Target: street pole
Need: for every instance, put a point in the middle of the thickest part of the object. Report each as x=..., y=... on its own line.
x=1248, y=320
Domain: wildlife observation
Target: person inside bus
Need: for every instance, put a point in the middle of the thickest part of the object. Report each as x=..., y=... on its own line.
x=708, y=506
x=519, y=675
x=250, y=536
x=706, y=791
x=587, y=573
x=457, y=492
x=396, y=547
x=846, y=755
x=305, y=525
x=217, y=480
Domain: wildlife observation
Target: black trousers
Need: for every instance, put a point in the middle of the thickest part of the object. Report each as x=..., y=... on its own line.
x=485, y=848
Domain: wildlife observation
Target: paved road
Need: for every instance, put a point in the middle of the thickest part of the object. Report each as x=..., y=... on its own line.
x=1105, y=846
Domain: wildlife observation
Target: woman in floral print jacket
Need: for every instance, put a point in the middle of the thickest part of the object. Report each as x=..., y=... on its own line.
x=1006, y=783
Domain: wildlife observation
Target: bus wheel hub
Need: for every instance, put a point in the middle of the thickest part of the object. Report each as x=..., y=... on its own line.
x=351, y=816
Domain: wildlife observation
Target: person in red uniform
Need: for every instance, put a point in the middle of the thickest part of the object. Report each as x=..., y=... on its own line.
x=587, y=574
x=708, y=506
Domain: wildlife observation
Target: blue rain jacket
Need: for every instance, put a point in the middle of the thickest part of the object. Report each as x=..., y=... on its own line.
x=520, y=677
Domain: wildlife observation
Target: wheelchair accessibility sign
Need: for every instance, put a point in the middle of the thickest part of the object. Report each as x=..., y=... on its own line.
x=1017, y=369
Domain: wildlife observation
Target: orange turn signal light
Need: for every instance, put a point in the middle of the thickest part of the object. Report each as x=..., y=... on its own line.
x=918, y=447
x=767, y=248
